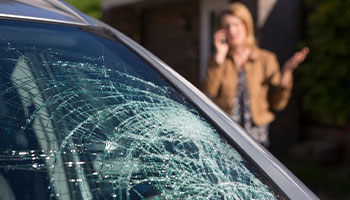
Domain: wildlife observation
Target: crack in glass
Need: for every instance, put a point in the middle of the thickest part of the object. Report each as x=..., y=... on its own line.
x=96, y=131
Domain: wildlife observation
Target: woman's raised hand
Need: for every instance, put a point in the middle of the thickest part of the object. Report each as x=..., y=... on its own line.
x=294, y=61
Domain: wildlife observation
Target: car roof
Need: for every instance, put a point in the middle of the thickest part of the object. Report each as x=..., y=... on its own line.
x=56, y=11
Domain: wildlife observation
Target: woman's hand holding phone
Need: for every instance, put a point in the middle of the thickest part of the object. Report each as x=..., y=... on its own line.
x=221, y=46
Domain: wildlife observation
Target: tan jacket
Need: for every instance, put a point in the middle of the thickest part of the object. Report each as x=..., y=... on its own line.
x=263, y=83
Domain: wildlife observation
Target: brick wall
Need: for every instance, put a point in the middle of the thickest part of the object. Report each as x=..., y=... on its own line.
x=169, y=30
x=125, y=20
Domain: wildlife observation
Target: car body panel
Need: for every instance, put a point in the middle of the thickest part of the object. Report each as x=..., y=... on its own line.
x=49, y=11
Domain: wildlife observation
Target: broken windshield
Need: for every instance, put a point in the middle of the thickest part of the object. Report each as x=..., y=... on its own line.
x=83, y=117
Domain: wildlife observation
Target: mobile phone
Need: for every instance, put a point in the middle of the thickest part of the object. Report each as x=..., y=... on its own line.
x=223, y=40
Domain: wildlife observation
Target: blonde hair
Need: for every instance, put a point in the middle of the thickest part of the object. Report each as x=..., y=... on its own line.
x=241, y=11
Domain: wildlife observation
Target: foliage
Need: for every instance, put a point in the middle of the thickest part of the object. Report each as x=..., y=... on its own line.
x=89, y=7
x=325, y=77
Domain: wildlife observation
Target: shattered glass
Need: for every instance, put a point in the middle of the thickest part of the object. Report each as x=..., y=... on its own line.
x=82, y=117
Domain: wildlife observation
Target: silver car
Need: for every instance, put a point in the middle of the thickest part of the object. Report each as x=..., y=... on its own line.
x=87, y=113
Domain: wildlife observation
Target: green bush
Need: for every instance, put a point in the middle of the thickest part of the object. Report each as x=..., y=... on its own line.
x=324, y=79
x=89, y=7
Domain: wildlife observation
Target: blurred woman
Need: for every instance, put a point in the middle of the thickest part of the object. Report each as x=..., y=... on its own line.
x=244, y=80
